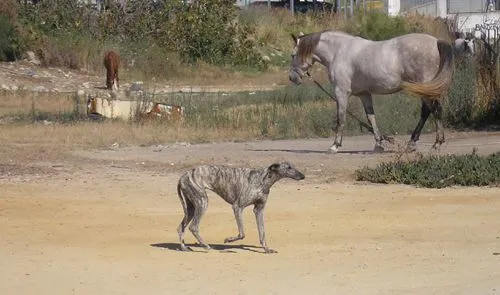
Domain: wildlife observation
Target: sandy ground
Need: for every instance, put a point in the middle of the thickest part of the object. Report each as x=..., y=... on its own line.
x=104, y=222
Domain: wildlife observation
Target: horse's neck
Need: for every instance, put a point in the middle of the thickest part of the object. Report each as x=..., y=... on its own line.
x=329, y=45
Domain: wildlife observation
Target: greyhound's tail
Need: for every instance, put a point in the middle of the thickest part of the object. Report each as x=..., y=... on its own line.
x=441, y=82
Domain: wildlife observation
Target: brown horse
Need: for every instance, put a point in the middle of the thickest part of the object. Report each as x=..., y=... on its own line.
x=111, y=63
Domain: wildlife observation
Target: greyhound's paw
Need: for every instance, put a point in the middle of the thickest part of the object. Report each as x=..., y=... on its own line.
x=270, y=251
x=186, y=249
x=232, y=239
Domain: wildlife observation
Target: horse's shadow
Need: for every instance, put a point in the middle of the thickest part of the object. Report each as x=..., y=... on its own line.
x=360, y=152
x=225, y=248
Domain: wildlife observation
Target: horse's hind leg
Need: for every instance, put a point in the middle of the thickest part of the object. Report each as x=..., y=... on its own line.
x=424, y=114
x=437, y=111
x=117, y=80
x=367, y=101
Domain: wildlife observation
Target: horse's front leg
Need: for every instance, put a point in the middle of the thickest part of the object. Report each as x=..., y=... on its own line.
x=367, y=101
x=342, y=97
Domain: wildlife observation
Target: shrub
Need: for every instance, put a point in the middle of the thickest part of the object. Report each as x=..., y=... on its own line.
x=459, y=104
x=208, y=30
x=378, y=26
x=437, y=171
x=9, y=41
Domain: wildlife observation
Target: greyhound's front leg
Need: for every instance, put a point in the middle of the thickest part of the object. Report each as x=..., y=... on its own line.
x=239, y=221
x=259, y=215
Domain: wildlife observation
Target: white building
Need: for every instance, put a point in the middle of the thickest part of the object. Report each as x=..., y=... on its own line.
x=470, y=15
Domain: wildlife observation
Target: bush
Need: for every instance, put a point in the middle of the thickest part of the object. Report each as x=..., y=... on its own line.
x=437, y=171
x=209, y=30
x=379, y=26
x=9, y=41
x=460, y=102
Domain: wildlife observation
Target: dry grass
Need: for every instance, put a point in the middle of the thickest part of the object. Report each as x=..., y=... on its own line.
x=99, y=135
x=25, y=103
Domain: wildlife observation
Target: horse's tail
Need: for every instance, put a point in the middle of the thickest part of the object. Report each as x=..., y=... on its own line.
x=441, y=82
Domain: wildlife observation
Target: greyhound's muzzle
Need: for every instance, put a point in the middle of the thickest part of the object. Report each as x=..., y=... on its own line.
x=295, y=77
x=298, y=175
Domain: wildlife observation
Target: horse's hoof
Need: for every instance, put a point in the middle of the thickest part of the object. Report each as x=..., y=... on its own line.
x=411, y=147
x=378, y=149
x=436, y=148
x=333, y=149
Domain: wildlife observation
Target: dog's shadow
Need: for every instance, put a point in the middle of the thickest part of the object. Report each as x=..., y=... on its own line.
x=224, y=248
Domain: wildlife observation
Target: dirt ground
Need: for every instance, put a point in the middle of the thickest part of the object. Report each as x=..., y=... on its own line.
x=104, y=222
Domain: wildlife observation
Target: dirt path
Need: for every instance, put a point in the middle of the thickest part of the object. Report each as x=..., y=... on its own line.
x=104, y=222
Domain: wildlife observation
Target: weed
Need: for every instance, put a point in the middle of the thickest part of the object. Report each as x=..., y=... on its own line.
x=437, y=171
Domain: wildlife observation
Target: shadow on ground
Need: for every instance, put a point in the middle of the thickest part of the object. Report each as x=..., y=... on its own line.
x=226, y=248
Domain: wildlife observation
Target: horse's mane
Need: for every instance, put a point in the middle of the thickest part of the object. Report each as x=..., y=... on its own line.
x=309, y=42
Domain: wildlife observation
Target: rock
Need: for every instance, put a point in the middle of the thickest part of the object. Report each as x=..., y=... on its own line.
x=86, y=85
x=137, y=86
x=40, y=89
x=80, y=93
x=31, y=73
x=14, y=88
x=4, y=87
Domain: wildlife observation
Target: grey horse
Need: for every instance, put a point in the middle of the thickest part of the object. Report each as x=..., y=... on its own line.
x=418, y=63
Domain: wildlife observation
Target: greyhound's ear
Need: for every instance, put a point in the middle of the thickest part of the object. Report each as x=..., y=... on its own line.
x=274, y=167
x=294, y=38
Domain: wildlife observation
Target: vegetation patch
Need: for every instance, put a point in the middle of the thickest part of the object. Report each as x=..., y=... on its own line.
x=437, y=171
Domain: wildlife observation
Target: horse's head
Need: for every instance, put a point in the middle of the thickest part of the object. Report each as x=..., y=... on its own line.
x=303, y=56
x=464, y=46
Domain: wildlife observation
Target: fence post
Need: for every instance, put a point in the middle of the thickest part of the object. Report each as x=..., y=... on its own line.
x=393, y=7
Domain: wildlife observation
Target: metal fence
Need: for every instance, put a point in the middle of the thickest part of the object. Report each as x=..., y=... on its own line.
x=426, y=7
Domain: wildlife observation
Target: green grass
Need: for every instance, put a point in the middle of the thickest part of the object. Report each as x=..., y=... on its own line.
x=437, y=171
x=293, y=112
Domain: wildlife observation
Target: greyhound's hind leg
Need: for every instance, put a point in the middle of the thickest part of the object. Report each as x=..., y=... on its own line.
x=200, y=206
x=184, y=223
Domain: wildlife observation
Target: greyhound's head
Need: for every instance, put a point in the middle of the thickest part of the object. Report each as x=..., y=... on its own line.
x=285, y=170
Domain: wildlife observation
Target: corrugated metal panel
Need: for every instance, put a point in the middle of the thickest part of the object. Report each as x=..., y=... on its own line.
x=412, y=4
x=427, y=7
x=458, y=6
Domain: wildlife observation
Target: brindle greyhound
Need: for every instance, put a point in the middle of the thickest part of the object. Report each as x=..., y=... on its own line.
x=240, y=187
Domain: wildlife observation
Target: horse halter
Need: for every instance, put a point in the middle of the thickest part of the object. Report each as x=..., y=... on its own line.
x=300, y=71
